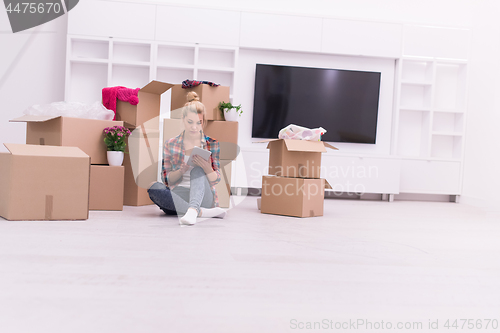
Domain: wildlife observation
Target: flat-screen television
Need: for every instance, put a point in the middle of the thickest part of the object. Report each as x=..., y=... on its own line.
x=344, y=102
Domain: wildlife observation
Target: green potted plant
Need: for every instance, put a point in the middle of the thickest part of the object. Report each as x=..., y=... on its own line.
x=229, y=111
x=114, y=138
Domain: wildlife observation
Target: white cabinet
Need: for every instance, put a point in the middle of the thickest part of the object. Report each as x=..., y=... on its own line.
x=281, y=32
x=112, y=19
x=197, y=25
x=430, y=177
x=373, y=39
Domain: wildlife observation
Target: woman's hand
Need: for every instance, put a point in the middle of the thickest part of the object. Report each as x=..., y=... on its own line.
x=184, y=167
x=203, y=163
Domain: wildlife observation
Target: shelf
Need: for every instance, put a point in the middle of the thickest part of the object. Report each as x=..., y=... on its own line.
x=416, y=83
x=217, y=58
x=176, y=67
x=174, y=75
x=416, y=96
x=416, y=109
x=130, y=77
x=89, y=49
x=460, y=134
x=87, y=81
x=132, y=63
x=173, y=55
x=446, y=146
x=128, y=52
x=217, y=69
x=89, y=61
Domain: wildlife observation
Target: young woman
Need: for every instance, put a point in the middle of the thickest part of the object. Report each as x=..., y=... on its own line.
x=186, y=189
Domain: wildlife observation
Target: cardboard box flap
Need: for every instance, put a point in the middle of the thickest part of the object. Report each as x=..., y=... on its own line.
x=33, y=119
x=330, y=146
x=52, y=151
x=327, y=185
x=156, y=87
x=303, y=145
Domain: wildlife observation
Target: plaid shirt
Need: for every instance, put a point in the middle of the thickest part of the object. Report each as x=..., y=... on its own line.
x=173, y=156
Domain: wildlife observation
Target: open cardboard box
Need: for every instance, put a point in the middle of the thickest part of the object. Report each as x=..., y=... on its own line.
x=148, y=107
x=44, y=183
x=299, y=197
x=85, y=134
x=209, y=96
x=296, y=158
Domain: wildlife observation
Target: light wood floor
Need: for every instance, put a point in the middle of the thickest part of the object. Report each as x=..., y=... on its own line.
x=363, y=261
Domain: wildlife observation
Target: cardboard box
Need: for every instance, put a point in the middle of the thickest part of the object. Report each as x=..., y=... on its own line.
x=296, y=158
x=148, y=107
x=106, y=187
x=141, y=163
x=85, y=134
x=298, y=197
x=44, y=183
x=209, y=96
x=226, y=132
x=223, y=188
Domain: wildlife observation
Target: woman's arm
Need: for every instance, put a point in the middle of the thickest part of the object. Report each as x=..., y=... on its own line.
x=170, y=176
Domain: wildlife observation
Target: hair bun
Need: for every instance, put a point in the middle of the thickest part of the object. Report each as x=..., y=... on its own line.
x=192, y=96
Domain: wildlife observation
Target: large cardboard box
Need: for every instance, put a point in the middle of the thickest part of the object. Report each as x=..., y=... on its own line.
x=85, y=134
x=209, y=96
x=106, y=187
x=44, y=183
x=226, y=132
x=298, y=197
x=148, y=107
x=141, y=162
x=296, y=158
x=223, y=188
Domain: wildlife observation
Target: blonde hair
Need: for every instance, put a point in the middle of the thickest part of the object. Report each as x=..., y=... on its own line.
x=194, y=105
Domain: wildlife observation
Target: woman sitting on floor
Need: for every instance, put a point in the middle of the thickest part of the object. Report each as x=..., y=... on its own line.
x=186, y=189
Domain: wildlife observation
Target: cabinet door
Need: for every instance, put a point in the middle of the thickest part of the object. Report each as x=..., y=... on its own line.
x=436, y=42
x=112, y=19
x=350, y=174
x=362, y=38
x=196, y=25
x=277, y=32
x=430, y=177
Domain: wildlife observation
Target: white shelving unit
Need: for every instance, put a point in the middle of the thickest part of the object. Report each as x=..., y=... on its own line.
x=431, y=122
x=94, y=63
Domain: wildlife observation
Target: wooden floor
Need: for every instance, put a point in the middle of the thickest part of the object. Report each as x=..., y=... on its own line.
x=363, y=263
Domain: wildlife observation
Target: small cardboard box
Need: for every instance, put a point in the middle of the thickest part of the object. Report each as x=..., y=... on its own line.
x=223, y=188
x=141, y=162
x=296, y=158
x=85, y=134
x=148, y=107
x=209, y=96
x=44, y=183
x=298, y=197
x=106, y=187
x=226, y=132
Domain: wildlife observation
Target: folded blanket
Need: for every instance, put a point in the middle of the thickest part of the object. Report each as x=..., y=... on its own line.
x=194, y=83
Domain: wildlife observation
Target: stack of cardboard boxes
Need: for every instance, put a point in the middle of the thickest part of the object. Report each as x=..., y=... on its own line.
x=294, y=186
x=226, y=132
x=61, y=172
x=141, y=158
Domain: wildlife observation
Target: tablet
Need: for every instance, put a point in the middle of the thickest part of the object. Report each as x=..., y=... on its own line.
x=205, y=154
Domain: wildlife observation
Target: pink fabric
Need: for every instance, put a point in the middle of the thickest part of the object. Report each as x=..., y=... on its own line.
x=110, y=94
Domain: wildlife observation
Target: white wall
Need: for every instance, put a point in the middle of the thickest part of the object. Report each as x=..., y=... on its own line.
x=32, y=65
x=32, y=69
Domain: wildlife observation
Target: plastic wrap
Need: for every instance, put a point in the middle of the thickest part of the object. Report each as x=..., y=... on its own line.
x=72, y=109
x=295, y=132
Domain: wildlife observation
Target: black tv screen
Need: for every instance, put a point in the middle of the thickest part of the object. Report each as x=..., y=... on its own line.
x=344, y=102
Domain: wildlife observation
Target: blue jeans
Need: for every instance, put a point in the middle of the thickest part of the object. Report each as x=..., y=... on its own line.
x=178, y=200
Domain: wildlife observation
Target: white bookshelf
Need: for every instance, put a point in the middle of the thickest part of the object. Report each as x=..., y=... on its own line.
x=431, y=121
x=94, y=63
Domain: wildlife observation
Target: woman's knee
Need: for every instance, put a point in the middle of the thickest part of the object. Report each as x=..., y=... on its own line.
x=197, y=172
